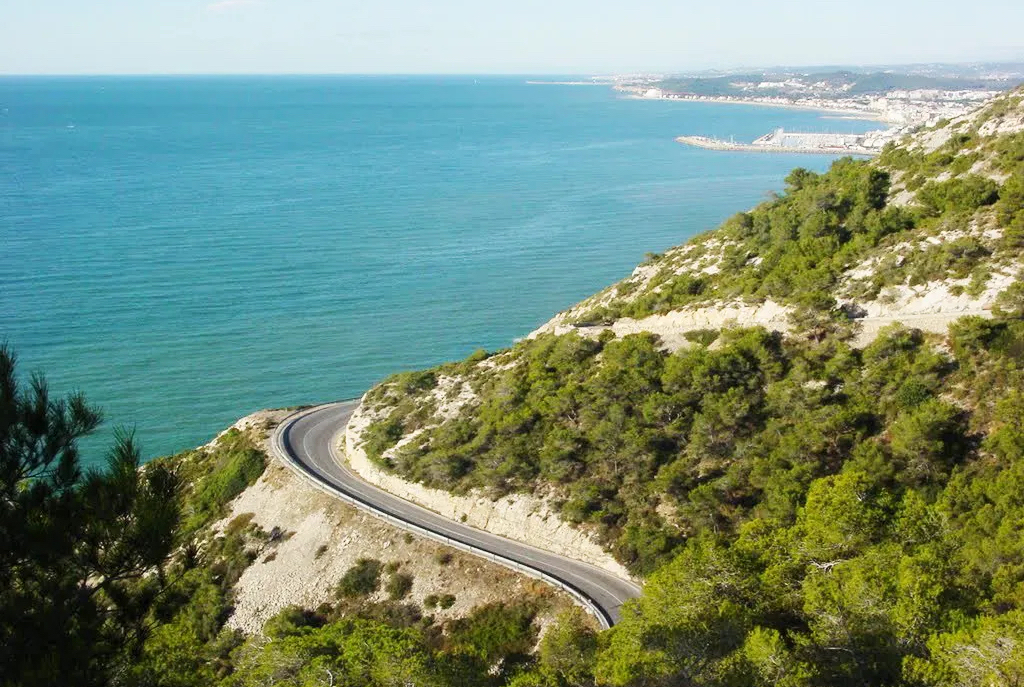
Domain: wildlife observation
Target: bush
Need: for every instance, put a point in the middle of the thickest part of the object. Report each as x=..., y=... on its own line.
x=381, y=436
x=1010, y=303
x=362, y=579
x=928, y=438
x=432, y=601
x=236, y=465
x=290, y=620
x=493, y=631
x=398, y=586
x=701, y=337
x=961, y=194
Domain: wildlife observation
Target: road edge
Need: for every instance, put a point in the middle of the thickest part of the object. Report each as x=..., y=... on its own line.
x=278, y=447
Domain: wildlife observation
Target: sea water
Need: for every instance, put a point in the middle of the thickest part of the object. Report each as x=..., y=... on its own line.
x=188, y=250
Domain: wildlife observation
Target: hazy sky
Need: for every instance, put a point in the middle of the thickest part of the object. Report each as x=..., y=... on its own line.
x=482, y=36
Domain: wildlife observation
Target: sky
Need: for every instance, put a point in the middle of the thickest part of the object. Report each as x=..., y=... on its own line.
x=483, y=36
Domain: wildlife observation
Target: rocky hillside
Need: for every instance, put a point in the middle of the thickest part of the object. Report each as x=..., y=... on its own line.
x=804, y=431
x=802, y=428
x=271, y=572
x=930, y=233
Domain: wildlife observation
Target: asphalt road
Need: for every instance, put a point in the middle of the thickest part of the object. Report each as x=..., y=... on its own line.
x=309, y=440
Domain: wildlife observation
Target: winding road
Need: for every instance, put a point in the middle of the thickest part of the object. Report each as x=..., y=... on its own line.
x=308, y=441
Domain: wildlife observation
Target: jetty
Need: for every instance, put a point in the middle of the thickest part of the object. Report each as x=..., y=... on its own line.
x=781, y=141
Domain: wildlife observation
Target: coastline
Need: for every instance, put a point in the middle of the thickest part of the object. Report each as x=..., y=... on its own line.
x=565, y=83
x=844, y=113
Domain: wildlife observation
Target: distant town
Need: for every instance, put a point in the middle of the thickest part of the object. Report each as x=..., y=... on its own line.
x=906, y=97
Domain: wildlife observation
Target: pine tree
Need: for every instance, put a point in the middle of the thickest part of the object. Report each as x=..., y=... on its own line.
x=81, y=552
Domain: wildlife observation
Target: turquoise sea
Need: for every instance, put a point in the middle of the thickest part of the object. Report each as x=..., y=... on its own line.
x=188, y=250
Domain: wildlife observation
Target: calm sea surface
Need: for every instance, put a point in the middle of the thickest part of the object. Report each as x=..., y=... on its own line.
x=188, y=250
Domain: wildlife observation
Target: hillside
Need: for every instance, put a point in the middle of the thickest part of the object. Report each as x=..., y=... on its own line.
x=266, y=558
x=803, y=428
x=221, y=566
x=840, y=83
x=802, y=431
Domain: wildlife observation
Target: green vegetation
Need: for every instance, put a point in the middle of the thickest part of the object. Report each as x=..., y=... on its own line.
x=566, y=654
x=805, y=513
x=398, y=586
x=361, y=579
x=485, y=648
x=443, y=601
x=211, y=480
x=835, y=516
x=953, y=156
x=77, y=548
x=115, y=578
x=795, y=248
x=719, y=435
x=802, y=242
x=493, y=632
x=960, y=194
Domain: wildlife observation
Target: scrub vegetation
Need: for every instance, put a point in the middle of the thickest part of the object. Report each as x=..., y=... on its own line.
x=127, y=576
x=804, y=511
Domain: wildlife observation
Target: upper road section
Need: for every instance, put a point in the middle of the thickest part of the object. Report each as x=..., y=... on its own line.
x=309, y=440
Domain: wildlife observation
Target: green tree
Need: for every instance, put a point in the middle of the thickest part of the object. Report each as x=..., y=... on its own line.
x=568, y=648
x=985, y=653
x=348, y=653
x=76, y=544
x=928, y=438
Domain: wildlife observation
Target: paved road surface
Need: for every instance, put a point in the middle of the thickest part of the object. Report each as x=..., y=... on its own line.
x=309, y=441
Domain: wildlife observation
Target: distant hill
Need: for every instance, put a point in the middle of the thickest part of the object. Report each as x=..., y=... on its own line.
x=826, y=84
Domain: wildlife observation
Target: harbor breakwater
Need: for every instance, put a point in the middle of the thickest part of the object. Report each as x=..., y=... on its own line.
x=795, y=143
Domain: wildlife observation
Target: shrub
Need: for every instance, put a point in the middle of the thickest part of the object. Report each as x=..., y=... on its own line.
x=380, y=436
x=398, y=586
x=239, y=524
x=1010, y=303
x=290, y=620
x=361, y=579
x=493, y=631
x=702, y=337
x=961, y=194
x=236, y=465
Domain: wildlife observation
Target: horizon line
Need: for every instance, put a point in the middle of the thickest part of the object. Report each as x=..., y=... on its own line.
x=591, y=74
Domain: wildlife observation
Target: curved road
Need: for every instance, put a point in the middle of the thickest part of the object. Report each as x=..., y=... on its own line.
x=309, y=440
